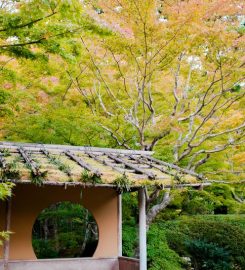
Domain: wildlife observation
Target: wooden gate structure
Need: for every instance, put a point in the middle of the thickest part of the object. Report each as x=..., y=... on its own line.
x=46, y=174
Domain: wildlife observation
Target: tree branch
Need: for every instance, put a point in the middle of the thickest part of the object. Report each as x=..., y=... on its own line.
x=29, y=23
x=157, y=208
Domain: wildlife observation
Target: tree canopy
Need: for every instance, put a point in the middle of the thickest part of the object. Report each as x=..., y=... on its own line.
x=158, y=75
x=135, y=74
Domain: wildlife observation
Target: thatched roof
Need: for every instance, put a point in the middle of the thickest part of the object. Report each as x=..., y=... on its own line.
x=63, y=164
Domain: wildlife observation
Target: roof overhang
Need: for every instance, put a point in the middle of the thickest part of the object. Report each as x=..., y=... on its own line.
x=65, y=165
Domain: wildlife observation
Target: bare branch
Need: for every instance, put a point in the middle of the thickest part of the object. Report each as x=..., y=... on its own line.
x=176, y=85
x=226, y=131
x=122, y=143
x=98, y=70
x=199, y=163
x=157, y=139
x=120, y=71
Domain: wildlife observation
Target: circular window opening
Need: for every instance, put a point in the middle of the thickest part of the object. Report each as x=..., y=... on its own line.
x=64, y=230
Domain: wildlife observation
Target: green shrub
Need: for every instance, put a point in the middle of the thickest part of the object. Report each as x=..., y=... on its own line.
x=220, y=239
x=199, y=203
x=208, y=256
x=44, y=249
x=130, y=239
x=222, y=234
x=160, y=256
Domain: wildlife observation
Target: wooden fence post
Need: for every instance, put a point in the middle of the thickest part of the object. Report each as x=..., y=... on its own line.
x=7, y=229
x=142, y=230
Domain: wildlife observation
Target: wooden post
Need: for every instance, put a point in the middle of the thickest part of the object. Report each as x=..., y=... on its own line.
x=142, y=230
x=119, y=225
x=7, y=229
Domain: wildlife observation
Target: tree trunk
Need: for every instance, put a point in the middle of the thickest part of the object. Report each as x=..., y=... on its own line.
x=45, y=229
x=56, y=238
x=86, y=235
x=157, y=208
x=237, y=198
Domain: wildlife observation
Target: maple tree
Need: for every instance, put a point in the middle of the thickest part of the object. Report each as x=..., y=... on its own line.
x=172, y=74
x=37, y=42
x=172, y=71
x=166, y=76
x=39, y=23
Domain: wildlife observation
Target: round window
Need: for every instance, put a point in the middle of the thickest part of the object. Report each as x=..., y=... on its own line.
x=64, y=230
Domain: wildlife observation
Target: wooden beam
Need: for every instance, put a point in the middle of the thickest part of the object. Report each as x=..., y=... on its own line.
x=104, y=162
x=29, y=161
x=62, y=148
x=132, y=189
x=83, y=164
x=177, y=168
x=151, y=164
x=142, y=230
x=65, y=184
x=7, y=229
x=57, y=162
x=131, y=166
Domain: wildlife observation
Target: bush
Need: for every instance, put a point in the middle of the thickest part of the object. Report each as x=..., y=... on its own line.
x=160, y=256
x=236, y=220
x=221, y=234
x=199, y=203
x=44, y=249
x=130, y=239
x=219, y=239
x=208, y=256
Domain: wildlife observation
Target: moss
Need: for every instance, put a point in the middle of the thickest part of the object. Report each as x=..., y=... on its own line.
x=38, y=179
x=9, y=170
x=90, y=178
x=62, y=167
x=123, y=183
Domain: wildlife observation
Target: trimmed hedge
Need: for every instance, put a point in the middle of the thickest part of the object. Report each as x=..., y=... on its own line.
x=224, y=235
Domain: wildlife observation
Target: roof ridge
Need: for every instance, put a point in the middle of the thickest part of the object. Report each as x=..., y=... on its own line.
x=64, y=147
